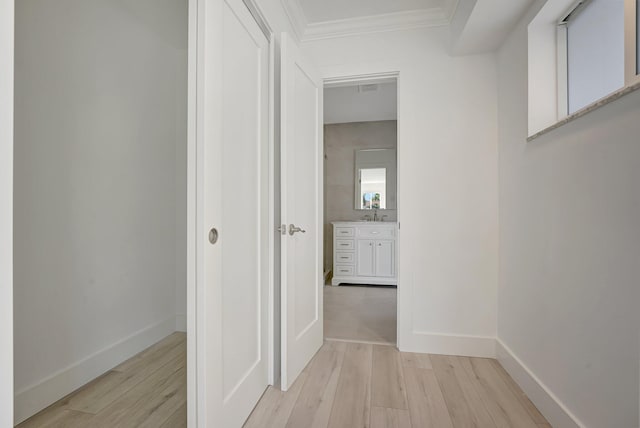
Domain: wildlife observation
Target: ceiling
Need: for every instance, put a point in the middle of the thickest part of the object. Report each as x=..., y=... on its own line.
x=316, y=11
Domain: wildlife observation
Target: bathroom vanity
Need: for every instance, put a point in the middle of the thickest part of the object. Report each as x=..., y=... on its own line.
x=364, y=253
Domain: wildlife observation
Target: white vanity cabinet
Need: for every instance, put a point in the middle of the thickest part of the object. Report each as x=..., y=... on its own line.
x=364, y=253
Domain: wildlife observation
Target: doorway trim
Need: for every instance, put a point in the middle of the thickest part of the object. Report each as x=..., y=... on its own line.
x=335, y=80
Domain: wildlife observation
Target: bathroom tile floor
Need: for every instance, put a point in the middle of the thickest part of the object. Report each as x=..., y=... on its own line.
x=362, y=314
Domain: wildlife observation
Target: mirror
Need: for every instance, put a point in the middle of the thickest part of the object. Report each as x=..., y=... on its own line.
x=375, y=179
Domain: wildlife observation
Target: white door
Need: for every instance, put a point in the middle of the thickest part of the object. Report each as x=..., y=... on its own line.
x=364, y=253
x=385, y=255
x=235, y=191
x=301, y=193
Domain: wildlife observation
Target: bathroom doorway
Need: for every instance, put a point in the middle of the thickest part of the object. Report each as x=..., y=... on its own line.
x=361, y=211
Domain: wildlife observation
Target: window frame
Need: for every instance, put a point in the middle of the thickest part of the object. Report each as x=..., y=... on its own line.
x=631, y=68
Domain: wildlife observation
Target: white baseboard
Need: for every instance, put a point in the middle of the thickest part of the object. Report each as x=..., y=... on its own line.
x=34, y=398
x=443, y=344
x=549, y=405
x=181, y=323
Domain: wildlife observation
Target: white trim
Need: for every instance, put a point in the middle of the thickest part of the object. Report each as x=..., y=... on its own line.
x=38, y=396
x=336, y=82
x=545, y=400
x=272, y=212
x=450, y=9
x=194, y=368
x=296, y=17
x=631, y=71
x=449, y=344
x=6, y=211
x=563, y=71
x=405, y=20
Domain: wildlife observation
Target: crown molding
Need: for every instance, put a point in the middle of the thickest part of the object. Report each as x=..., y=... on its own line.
x=376, y=24
x=450, y=9
x=421, y=18
x=296, y=16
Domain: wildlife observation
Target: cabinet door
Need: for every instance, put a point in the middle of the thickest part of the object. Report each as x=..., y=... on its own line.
x=384, y=258
x=365, y=257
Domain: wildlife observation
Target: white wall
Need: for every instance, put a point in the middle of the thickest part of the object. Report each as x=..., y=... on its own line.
x=6, y=213
x=99, y=165
x=570, y=252
x=347, y=104
x=447, y=165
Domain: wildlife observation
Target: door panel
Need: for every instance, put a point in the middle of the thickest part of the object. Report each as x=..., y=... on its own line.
x=365, y=257
x=301, y=190
x=241, y=193
x=385, y=254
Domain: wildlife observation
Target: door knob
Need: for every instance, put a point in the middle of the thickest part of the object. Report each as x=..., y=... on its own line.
x=293, y=229
x=213, y=236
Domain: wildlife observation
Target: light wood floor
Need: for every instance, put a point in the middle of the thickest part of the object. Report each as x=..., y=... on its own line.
x=355, y=385
x=349, y=385
x=360, y=314
x=149, y=390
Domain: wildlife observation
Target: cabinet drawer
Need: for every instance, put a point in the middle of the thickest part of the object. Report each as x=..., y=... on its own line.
x=344, y=244
x=343, y=271
x=344, y=258
x=376, y=233
x=347, y=232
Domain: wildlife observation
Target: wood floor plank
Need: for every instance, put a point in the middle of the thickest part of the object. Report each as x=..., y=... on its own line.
x=174, y=339
x=134, y=406
x=97, y=395
x=324, y=410
x=461, y=415
x=58, y=417
x=388, y=388
x=389, y=418
x=275, y=407
x=313, y=406
x=479, y=414
x=427, y=407
x=419, y=361
x=502, y=405
x=352, y=403
x=178, y=419
x=161, y=408
x=519, y=394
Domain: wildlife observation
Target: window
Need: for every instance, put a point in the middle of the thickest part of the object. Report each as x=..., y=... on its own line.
x=580, y=52
x=595, y=51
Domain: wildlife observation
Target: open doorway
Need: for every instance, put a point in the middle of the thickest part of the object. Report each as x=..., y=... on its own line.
x=360, y=211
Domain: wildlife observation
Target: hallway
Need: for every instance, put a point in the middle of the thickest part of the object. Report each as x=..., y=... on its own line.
x=353, y=385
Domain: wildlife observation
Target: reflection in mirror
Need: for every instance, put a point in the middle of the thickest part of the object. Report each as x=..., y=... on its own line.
x=373, y=188
x=375, y=179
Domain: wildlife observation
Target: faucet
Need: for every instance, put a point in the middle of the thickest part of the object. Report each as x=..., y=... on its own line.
x=375, y=215
x=366, y=217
